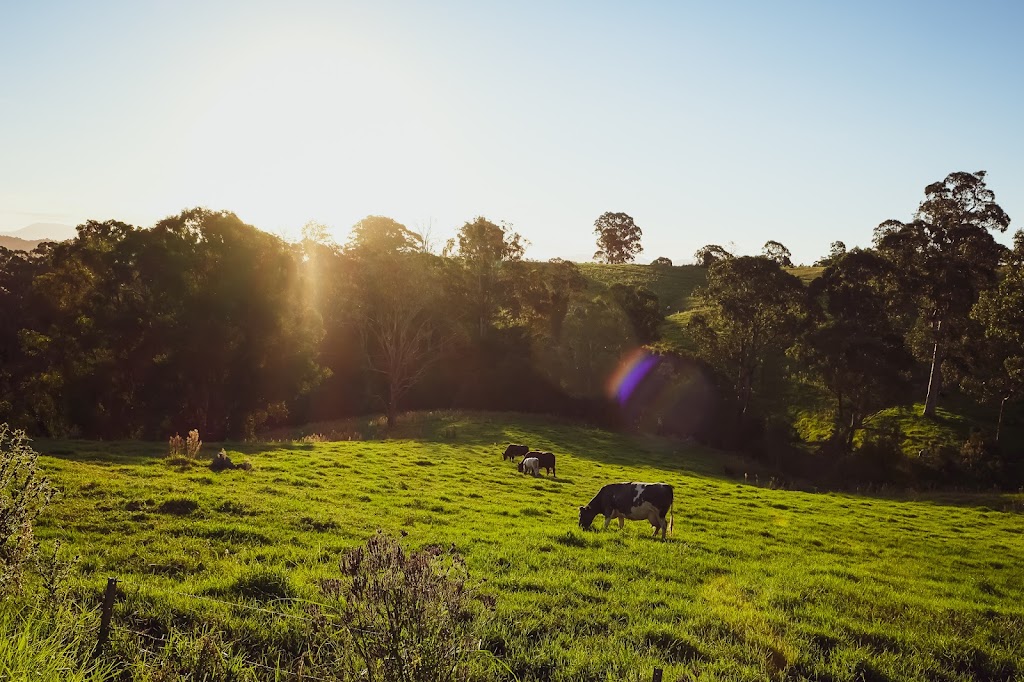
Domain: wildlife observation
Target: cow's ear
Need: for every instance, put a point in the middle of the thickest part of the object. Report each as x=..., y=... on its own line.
x=582, y=508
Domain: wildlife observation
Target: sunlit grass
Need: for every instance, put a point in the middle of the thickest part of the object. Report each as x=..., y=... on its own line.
x=753, y=584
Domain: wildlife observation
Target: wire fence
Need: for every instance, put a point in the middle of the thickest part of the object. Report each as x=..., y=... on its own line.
x=163, y=641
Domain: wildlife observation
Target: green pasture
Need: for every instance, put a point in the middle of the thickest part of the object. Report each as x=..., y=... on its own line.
x=673, y=285
x=754, y=583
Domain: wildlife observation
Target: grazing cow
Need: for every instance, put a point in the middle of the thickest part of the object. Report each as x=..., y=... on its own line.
x=633, y=501
x=546, y=461
x=530, y=465
x=513, y=451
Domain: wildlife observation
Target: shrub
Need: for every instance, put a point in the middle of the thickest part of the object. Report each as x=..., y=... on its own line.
x=184, y=448
x=661, y=261
x=24, y=493
x=411, y=617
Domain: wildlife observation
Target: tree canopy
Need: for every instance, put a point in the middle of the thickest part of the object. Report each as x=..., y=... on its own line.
x=618, y=238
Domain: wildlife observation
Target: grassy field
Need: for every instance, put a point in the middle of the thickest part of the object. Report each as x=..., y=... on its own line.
x=755, y=583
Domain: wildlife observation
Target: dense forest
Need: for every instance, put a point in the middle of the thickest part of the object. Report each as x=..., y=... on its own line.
x=205, y=322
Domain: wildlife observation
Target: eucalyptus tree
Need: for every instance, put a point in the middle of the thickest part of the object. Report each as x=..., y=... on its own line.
x=618, y=238
x=850, y=346
x=945, y=257
x=750, y=312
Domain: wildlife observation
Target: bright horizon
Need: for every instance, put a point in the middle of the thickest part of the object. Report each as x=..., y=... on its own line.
x=730, y=124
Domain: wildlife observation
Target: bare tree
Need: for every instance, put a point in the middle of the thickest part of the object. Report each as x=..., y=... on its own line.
x=402, y=332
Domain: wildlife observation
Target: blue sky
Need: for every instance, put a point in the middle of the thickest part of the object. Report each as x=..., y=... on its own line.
x=727, y=122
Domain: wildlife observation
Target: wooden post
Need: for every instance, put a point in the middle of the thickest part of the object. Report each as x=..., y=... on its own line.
x=105, y=615
x=657, y=675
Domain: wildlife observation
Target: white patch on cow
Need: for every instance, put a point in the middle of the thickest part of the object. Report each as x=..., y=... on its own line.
x=531, y=465
x=638, y=491
x=645, y=510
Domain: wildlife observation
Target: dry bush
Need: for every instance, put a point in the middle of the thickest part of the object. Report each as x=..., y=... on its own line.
x=175, y=446
x=184, y=448
x=411, y=617
x=24, y=493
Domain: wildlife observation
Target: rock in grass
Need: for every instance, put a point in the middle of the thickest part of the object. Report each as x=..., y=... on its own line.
x=221, y=462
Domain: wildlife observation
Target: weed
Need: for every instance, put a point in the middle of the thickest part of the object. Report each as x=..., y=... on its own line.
x=411, y=617
x=24, y=493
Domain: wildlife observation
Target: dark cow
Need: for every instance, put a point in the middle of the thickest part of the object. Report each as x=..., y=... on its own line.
x=633, y=501
x=545, y=460
x=513, y=451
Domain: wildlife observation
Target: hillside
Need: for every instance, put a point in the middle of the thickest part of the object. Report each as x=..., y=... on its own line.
x=754, y=583
x=673, y=285
x=16, y=244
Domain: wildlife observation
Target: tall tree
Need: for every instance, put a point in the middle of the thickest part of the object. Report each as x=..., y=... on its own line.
x=484, y=251
x=1000, y=311
x=751, y=312
x=777, y=252
x=618, y=238
x=402, y=329
x=850, y=347
x=946, y=255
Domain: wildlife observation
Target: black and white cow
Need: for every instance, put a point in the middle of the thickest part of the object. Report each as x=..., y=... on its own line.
x=633, y=501
x=545, y=460
x=513, y=451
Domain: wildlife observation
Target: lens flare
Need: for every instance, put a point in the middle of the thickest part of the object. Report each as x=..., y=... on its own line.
x=631, y=372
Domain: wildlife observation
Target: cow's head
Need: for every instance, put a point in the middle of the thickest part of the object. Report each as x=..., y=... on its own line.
x=586, y=517
x=520, y=465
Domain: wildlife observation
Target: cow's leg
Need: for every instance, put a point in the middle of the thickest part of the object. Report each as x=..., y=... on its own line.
x=607, y=520
x=622, y=522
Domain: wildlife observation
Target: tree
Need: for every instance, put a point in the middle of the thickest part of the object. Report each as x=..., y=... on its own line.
x=381, y=235
x=707, y=256
x=775, y=251
x=751, y=312
x=661, y=262
x=401, y=329
x=851, y=347
x=618, y=238
x=1000, y=311
x=544, y=293
x=641, y=307
x=836, y=250
x=484, y=249
x=945, y=256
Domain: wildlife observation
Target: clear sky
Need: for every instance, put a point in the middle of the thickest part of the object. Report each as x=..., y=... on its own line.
x=708, y=122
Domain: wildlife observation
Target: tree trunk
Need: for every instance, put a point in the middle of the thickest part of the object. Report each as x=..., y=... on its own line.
x=851, y=431
x=999, y=424
x=935, y=378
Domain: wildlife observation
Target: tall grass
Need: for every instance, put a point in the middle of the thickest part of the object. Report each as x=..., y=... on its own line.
x=49, y=644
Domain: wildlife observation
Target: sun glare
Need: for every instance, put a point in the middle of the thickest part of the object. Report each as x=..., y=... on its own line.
x=295, y=133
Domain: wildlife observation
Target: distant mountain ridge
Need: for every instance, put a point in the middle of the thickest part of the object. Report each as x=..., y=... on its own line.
x=43, y=232
x=15, y=244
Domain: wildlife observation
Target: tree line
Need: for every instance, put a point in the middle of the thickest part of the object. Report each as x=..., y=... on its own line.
x=936, y=306
x=203, y=321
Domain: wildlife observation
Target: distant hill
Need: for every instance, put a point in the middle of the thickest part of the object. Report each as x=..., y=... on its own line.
x=673, y=285
x=54, y=232
x=15, y=244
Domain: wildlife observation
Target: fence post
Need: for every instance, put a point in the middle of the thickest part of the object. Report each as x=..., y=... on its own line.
x=105, y=614
x=657, y=675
